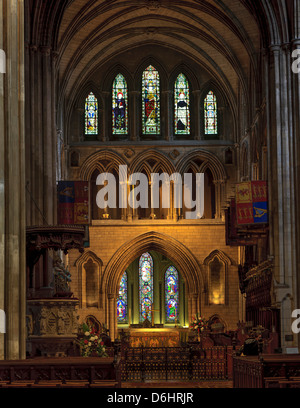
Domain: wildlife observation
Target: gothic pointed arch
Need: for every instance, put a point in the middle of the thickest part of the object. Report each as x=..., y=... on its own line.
x=178, y=254
x=108, y=160
x=213, y=102
x=152, y=160
x=166, y=245
x=76, y=114
x=151, y=101
x=202, y=159
x=182, y=106
x=221, y=255
x=120, y=106
x=89, y=269
x=217, y=264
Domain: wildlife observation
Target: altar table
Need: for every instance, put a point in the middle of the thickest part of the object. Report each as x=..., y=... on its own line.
x=154, y=338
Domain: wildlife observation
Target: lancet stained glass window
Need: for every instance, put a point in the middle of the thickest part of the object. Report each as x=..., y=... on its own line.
x=172, y=295
x=182, y=106
x=122, y=303
x=91, y=115
x=151, y=101
x=120, y=106
x=211, y=114
x=146, y=286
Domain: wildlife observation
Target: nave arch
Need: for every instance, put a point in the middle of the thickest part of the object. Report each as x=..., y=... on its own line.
x=180, y=255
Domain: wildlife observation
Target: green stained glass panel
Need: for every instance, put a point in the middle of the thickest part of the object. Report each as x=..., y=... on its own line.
x=182, y=106
x=120, y=106
x=211, y=114
x=122, y=302
x=91, y=115
x=146, y=286
x=172, y=295
x=151, y=101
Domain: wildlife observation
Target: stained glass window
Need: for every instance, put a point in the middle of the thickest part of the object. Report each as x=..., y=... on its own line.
x=119, y=106
x=172, y=295
x=211, y=114
x=122, y=303
x=182, y=106
x=146, y=286
x=151, y=101
x=91, y=115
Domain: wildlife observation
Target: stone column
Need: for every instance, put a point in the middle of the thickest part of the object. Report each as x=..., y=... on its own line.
x=168, y=114
x=282, y=137
x=198, y=114
x=41, y=148
x=134, y=120
x=219, y=197
x=112, y=310
x=296, y=112
x=106, y=128
x=2, y=186
x=12, y=182
x=190, y=309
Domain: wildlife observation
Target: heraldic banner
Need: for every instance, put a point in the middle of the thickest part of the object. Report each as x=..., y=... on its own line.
x=73, y=202
x=252, y=203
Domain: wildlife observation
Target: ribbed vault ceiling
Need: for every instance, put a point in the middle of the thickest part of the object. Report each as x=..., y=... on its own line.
x=222, y=36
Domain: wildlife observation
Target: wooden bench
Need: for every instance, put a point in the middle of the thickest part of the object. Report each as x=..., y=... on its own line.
x=19, y=384
x=291, y=383
x=75, y=384
x=104, y=384
x=3, y=383
x=47, y=384
x=273, y=382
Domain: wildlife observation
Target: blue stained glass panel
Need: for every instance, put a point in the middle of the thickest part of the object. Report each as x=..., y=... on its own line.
x=211, y=114
x=91, y=115
x=146, y=286
x=172, y=295
x=151, y=101
x=182, y=106
x=122, y=302
x=120, y=106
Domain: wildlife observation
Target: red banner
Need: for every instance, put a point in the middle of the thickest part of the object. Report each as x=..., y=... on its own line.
x=252, y=203
x=73, y=202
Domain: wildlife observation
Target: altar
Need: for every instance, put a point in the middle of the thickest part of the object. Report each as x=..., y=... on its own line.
x=154, y=337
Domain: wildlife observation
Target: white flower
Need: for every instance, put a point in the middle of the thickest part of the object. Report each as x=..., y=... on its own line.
x=92, y=338
x=90, y=344
x=86, y=333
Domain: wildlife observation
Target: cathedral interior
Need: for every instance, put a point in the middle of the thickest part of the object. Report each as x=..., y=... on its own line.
x=90, y=88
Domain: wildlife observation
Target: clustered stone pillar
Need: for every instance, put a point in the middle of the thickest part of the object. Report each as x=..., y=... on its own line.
x=12, y=182
x=111, y=316
x=41, y=145
x=282, y=143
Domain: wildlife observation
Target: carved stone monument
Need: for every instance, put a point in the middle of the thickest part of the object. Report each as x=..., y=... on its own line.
x=52, y=326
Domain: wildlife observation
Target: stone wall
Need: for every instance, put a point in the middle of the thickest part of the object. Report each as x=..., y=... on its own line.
x=197, y=240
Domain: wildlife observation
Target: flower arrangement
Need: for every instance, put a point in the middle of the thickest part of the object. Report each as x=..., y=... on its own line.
x=198, y=324
x=91, y=343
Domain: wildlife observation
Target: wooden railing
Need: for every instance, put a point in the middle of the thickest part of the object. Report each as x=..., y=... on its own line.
x=266, y=371
x=176, y=363
x=75, y=372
